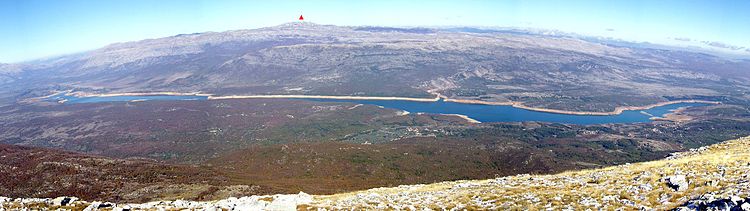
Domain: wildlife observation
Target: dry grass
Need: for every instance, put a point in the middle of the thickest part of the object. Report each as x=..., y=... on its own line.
x=720, y=169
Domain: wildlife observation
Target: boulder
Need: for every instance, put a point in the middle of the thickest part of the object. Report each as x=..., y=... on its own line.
x=677, y=182
x=105, y=205
x=710, y=202
x=745, y=206
x=63, y=201
x=289, y=202
x=93, y=206
x=99, y=205
x=122, y=208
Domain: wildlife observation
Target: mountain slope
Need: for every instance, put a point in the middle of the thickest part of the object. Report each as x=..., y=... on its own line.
x=304, y=58
x=707, y=177
x=718, y=171
x=40, y=172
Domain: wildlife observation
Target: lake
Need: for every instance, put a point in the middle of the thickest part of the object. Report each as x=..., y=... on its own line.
x=73, y=99
x=506, y=113
x=482, y=113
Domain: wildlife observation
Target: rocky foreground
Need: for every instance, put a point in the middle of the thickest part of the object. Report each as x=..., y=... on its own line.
x=275, y=202
x=714, y=177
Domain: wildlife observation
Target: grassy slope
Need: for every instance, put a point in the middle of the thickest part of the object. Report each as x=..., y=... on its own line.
x=720, y=169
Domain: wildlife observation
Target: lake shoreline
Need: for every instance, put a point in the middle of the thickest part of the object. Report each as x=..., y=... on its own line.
x=618, y=110
x=83, y=94
x=467, y=118
x=334, y=97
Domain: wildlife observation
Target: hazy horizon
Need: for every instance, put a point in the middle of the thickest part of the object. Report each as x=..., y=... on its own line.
x=44, y=29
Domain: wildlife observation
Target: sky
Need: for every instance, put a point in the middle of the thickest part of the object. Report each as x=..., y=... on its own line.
x=32, y=29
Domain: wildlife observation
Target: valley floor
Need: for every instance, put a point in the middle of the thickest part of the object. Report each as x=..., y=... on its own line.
x=516, y=104
x=713, y=176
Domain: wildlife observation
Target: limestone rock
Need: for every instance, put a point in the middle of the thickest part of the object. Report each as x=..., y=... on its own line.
x=677, y=182
x=63, y=201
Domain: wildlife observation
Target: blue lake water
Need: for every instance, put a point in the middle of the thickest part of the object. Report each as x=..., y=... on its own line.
x=483, y=113
x=502, y=113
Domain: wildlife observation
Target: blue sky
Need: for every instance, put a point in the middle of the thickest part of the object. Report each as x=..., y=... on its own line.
x=31, y=29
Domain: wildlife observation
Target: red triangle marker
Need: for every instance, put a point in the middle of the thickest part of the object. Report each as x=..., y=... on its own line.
x=301, y=18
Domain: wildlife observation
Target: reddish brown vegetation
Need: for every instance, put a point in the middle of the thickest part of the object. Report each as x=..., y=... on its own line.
x=331, y=167
x=38, y=172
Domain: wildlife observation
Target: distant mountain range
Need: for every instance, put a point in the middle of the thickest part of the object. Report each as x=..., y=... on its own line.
x=536, y=68
x=674, y=43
